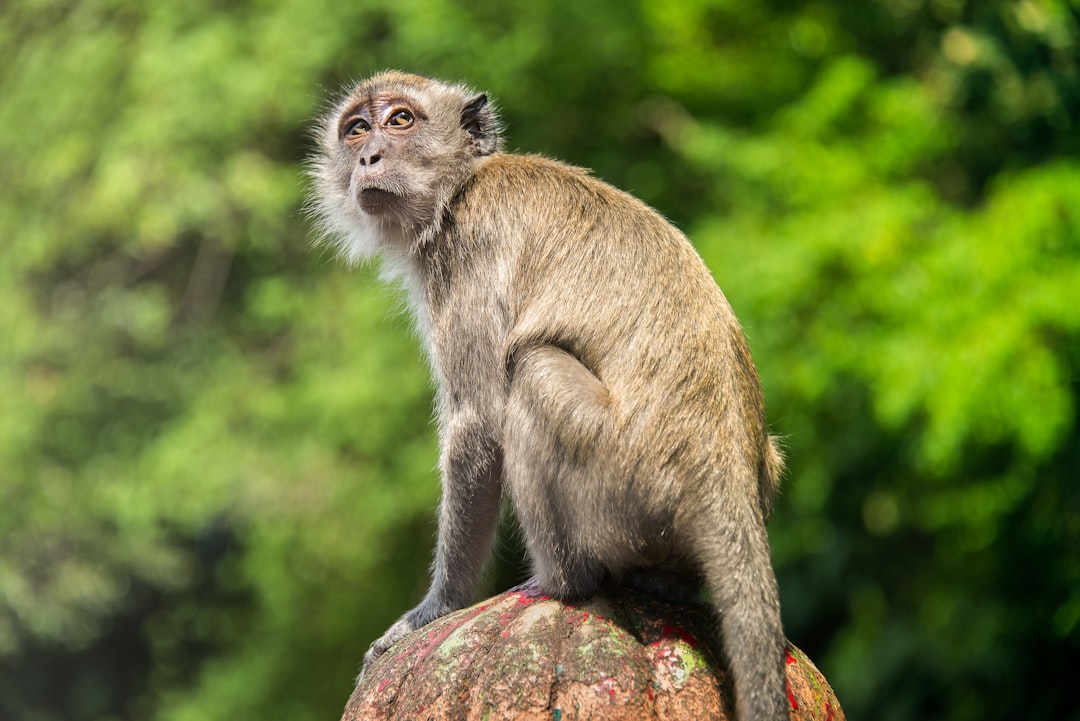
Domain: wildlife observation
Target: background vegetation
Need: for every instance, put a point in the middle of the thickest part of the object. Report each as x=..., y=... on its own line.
x=216, y=478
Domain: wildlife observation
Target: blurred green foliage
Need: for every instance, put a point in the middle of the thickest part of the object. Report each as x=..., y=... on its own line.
x=216, y=458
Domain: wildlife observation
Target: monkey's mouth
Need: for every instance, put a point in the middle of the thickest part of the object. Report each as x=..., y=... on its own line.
x=376, y=201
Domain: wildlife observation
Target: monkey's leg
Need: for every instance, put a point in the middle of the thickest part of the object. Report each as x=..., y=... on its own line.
x=471, y=464
x=733, y=550
x=557, y=418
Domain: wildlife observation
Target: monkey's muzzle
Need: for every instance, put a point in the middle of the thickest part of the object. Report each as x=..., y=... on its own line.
x=376, y=201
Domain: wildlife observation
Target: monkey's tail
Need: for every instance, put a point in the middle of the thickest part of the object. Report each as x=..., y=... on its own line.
x=738, y=573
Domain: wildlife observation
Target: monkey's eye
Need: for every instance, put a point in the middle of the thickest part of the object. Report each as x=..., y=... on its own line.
x=400, y=119
x=356, y=127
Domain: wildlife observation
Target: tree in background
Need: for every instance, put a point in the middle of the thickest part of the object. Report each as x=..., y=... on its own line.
x=216, y=467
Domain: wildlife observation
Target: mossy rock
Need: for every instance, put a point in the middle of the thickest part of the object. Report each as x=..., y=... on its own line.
x=523, y=655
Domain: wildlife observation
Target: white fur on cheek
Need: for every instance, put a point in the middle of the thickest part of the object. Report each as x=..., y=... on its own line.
x=357, y=237
x=361, y=240
x=352, y=233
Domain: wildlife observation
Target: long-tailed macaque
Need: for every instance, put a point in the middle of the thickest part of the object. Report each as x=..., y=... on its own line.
x=587, y=366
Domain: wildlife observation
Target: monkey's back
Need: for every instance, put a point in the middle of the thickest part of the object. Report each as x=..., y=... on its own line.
x=632, y=300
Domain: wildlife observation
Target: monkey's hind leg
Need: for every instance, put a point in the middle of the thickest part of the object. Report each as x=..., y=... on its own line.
x=557, y=417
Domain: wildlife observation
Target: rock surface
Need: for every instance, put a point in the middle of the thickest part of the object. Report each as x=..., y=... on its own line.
x=523, y=655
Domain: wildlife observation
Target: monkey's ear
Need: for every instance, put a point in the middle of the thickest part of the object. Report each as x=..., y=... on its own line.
x=478, y=120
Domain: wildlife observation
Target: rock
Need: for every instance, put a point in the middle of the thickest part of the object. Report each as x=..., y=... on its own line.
x=523, y=655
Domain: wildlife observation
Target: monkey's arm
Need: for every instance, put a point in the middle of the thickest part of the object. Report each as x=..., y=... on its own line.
x=471, y=466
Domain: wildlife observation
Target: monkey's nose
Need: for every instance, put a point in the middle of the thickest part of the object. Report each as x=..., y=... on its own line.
x=371, y=159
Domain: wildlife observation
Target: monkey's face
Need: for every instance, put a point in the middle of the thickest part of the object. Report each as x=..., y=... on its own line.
x=399, y=145
x=380, y=137
x=392, y=154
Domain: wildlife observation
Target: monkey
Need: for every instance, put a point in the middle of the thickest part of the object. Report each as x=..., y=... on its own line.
x=587, y=366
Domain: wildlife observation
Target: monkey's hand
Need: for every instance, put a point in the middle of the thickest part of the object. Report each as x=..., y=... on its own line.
x=420, y=616
x=401, y=628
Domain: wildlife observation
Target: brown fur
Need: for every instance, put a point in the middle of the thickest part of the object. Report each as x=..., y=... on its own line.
x=587, y=366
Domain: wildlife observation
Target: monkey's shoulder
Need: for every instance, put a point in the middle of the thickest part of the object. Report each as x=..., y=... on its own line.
x=526, y=170
x=513, y=180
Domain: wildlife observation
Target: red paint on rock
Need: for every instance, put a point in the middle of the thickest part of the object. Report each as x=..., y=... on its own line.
x=609, y=685
x=530, y=594
x=680, y=633
x=437, y=641
x=790, y=660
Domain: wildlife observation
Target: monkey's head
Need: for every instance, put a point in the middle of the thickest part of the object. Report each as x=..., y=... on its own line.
x=392, y=153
